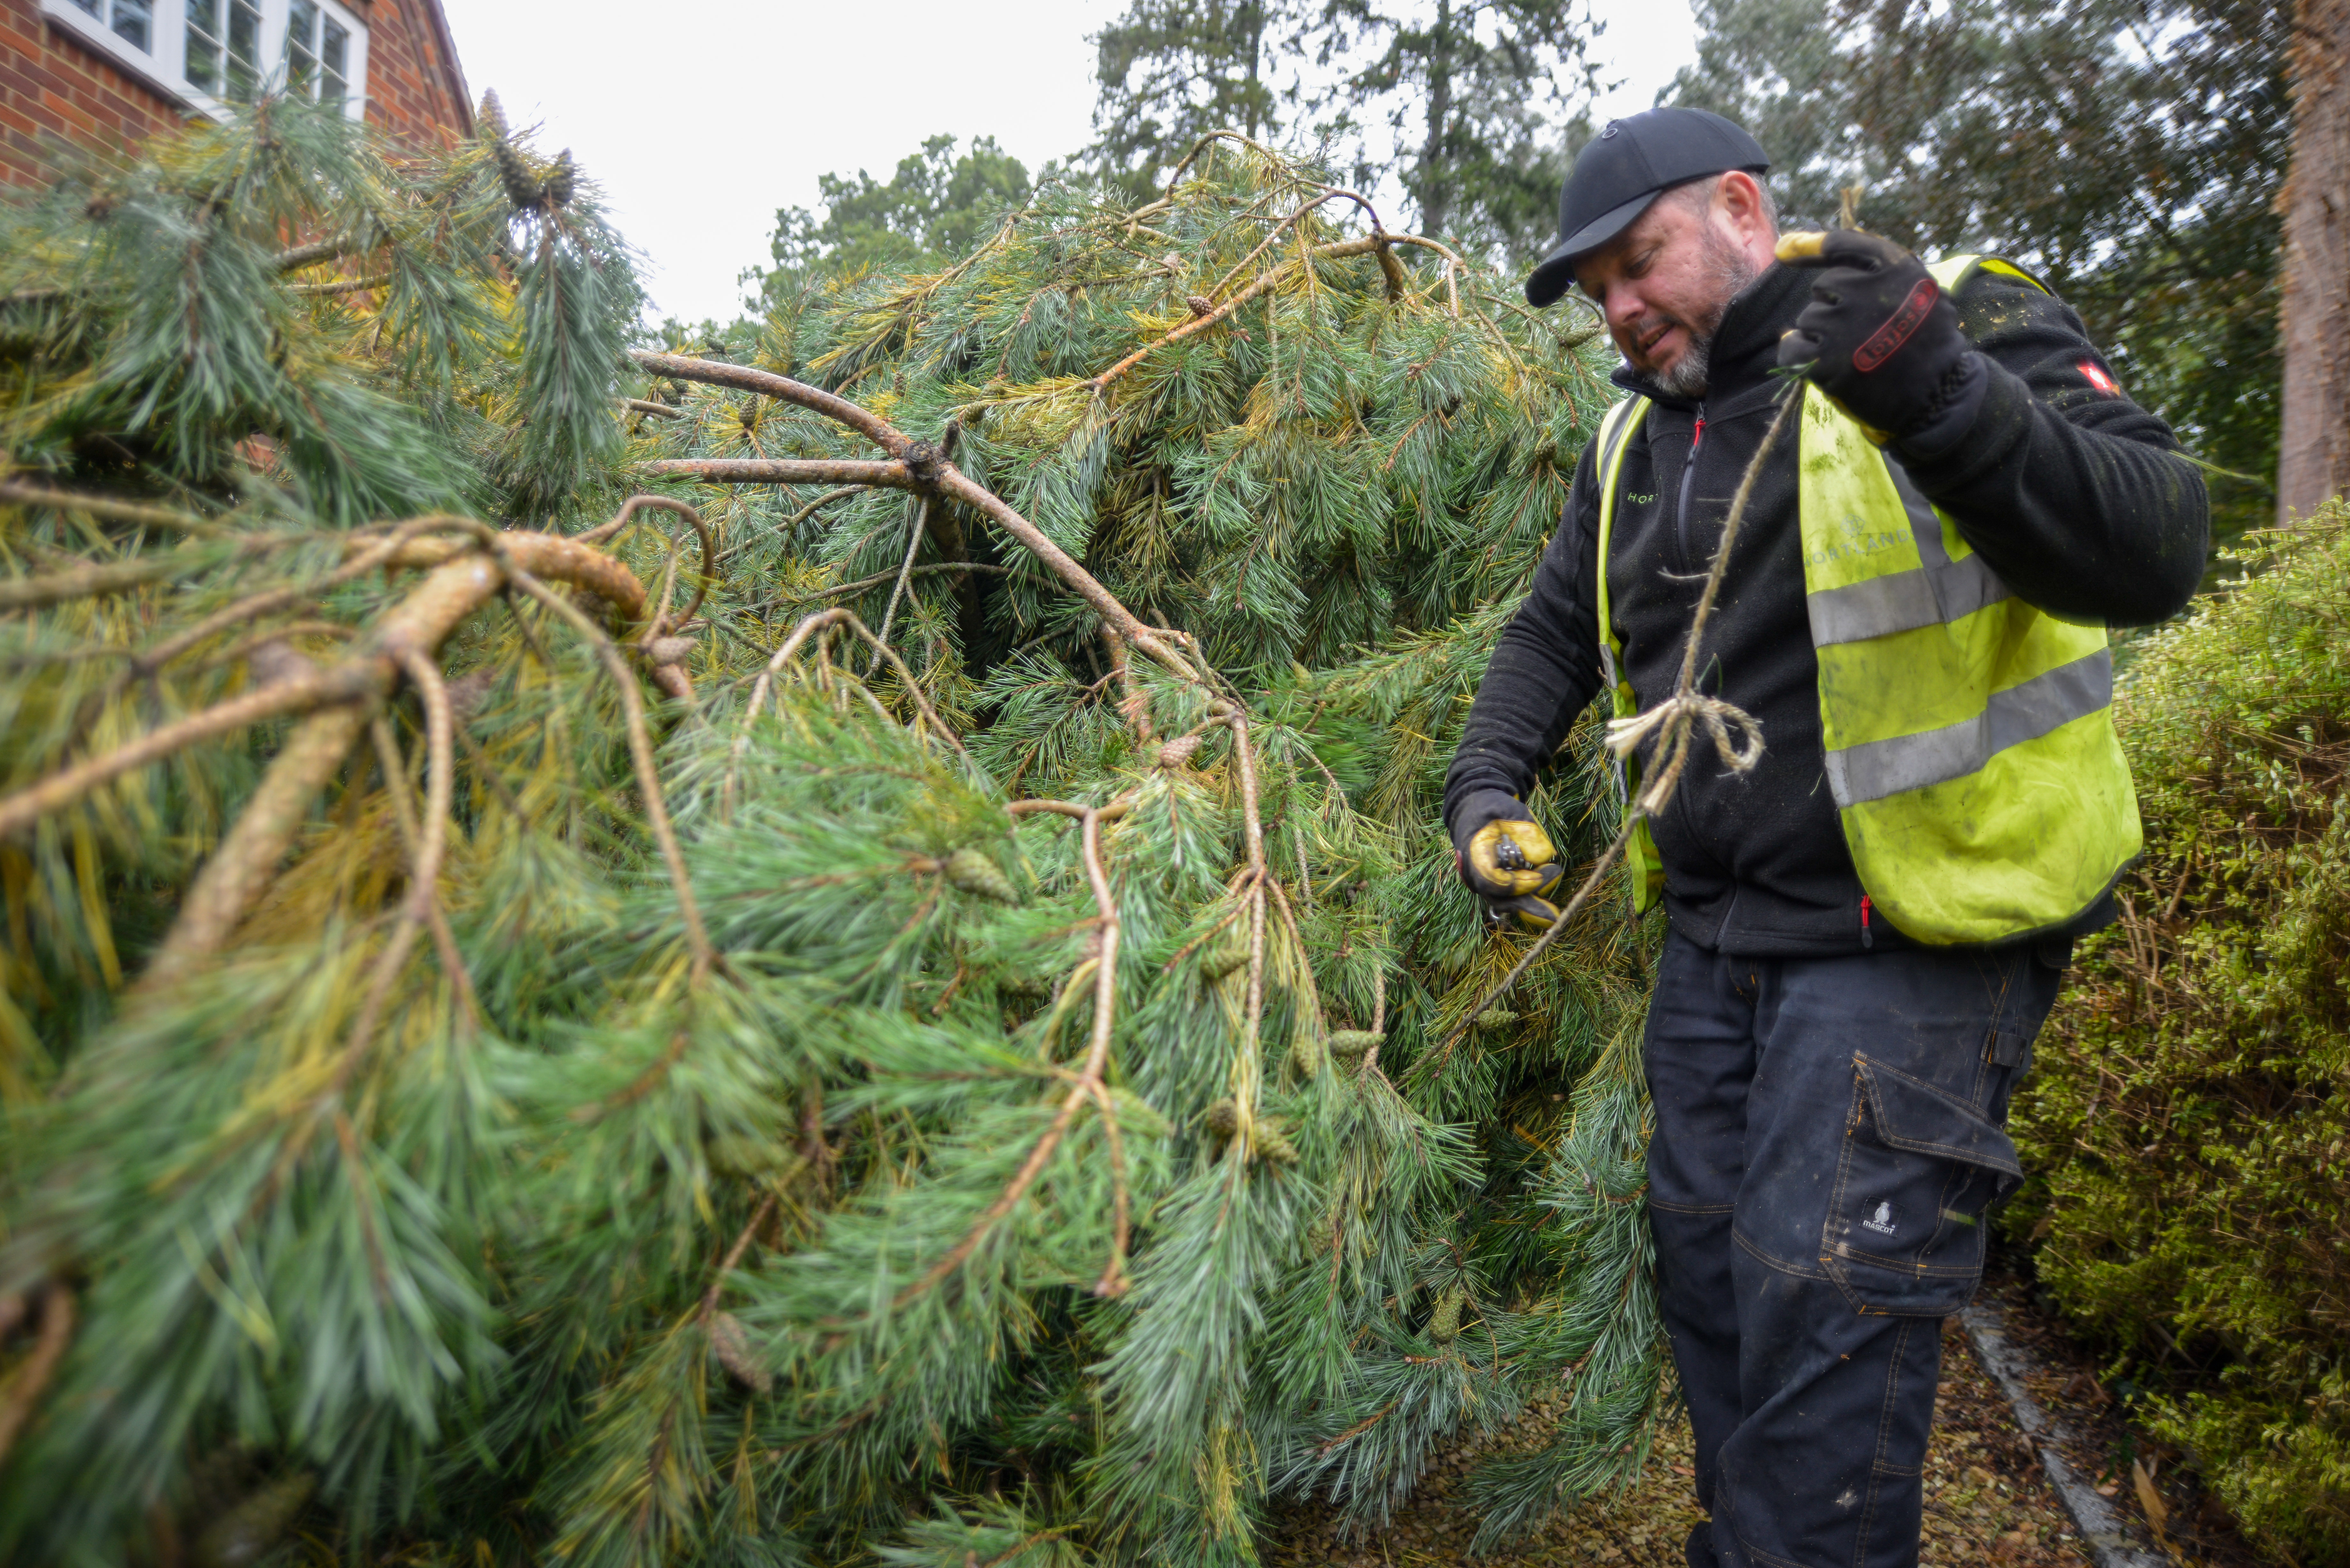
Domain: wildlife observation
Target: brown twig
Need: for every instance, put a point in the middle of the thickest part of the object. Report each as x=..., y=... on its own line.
x=445, y=941
x=24, y=1390
x=341, y=286
x=110, y=577
x=460, y=580
x=641, y=753
x=1262, y=284
x=877, y=580
x=826, y=499
x=921, y=464
x=734, y=1255
x=106, y=506
x=629, y=510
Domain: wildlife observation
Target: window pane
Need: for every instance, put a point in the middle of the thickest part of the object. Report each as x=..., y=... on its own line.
x=244, y=47
x=301, y=43
x=132, y=20
x=202, y=68
x=335, y=49
x=89, y=5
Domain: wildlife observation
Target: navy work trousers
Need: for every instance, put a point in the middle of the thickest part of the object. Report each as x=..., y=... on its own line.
x=1828, y=1135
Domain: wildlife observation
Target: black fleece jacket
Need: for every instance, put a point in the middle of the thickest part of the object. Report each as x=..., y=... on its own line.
x=2075, y=495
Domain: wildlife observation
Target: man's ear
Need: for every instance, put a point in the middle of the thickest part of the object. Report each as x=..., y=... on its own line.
x=1738, y=201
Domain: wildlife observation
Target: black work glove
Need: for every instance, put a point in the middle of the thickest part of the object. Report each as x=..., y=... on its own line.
x=1505, y=858
x=1879, y=336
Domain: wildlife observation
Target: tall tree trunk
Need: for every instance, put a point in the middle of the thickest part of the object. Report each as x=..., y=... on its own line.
x=1253, y=27
x=2314, y=451
x=1435, y=171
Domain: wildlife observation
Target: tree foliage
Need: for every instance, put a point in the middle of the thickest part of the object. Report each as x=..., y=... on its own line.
x=936, y=206
x=2129, y=153
x=2189, y=1116
x=554, y=1040
x=1462, y=102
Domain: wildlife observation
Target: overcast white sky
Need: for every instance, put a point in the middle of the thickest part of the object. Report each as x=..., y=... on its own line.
x=701, y=119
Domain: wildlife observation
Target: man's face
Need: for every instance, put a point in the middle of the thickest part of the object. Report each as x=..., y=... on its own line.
x=1665, y=282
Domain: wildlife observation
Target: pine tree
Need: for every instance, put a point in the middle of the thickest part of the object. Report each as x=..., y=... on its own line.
x=905, y=1008
x=2131, y=153
x=1463, y=101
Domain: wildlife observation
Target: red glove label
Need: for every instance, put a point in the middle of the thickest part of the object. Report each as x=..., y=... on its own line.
x=1889, y=337
x=2096, y=377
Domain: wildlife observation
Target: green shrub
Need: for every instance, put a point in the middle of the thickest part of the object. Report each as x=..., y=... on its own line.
x=2191, y=1112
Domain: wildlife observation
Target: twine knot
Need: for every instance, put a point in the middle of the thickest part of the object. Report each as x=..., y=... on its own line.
x=1670, y=723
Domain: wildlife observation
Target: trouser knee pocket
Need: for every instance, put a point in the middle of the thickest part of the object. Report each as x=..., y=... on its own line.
x=1918, y=1167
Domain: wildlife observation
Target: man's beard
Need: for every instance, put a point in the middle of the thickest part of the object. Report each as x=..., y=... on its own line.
x=1730, y=271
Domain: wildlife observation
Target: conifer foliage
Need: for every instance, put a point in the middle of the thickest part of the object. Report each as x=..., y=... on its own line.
x=832, y=950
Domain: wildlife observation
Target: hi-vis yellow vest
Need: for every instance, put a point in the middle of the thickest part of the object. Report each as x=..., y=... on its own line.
x=1969, y=738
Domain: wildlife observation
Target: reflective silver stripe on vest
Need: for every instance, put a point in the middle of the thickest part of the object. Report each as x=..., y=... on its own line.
x=1939, y=591
x=1875, y=769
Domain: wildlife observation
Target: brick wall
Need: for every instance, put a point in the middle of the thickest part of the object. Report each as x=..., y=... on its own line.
x=54, y=88
x=416, y=88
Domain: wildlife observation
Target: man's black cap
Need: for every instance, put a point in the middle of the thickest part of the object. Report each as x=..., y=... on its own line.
x=1627, y=166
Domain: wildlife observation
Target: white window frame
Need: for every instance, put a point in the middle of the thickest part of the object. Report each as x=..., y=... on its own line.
x=165, y=68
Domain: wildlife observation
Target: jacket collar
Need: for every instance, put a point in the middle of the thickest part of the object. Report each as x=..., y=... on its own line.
x=1745, y=346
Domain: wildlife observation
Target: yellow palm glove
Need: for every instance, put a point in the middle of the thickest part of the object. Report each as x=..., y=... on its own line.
x=1506, y=859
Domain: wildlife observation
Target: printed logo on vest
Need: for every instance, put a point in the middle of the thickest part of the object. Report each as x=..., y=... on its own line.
x=1885, y=1221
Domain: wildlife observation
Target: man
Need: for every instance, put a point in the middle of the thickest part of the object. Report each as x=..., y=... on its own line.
x=1866, y=930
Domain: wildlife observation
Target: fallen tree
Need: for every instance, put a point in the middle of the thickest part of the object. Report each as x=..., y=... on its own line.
x=679, y=1028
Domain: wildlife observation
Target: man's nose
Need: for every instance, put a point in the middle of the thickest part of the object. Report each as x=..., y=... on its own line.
x=1622, y=304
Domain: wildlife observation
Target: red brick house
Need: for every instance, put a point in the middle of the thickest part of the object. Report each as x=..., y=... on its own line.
x=106, y=72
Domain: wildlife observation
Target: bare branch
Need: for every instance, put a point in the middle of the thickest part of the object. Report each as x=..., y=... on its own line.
x=25, y=1387
x=640, y=751
x=784, y=471
x=1089, y=1077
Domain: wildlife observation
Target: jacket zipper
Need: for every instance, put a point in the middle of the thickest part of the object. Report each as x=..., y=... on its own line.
x=1681, y=507
x=1867, y=939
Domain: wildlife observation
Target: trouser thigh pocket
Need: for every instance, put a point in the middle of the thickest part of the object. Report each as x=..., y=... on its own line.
x=1920, y=1167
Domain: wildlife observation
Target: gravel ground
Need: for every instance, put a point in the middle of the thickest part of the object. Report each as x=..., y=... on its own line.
x=1986, y=1502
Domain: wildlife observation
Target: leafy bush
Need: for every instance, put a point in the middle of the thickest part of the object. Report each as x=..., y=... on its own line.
x=2191, y=1114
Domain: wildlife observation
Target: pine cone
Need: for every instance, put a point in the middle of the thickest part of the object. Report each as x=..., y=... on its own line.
x=523, y=190
x=1174, y=753
x=1227, y=953
x=1493, y=1020
x=1201, y=305
x=251, y=1531
x=1272, y=1142
x=1444, y=1323
x=491, y=118
x=669, y=649
x=730, y=1341
x=1223, y=1119
x=1348, y=1043
x=1310, y=1053
x=563, y=179
x=975, y=874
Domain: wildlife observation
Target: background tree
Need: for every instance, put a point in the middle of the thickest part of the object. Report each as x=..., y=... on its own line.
x=2131, y=153
x=1170, y=71
x=2315, y=463
x=1461, y=102
x=1471, y=95
x=938, y=204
